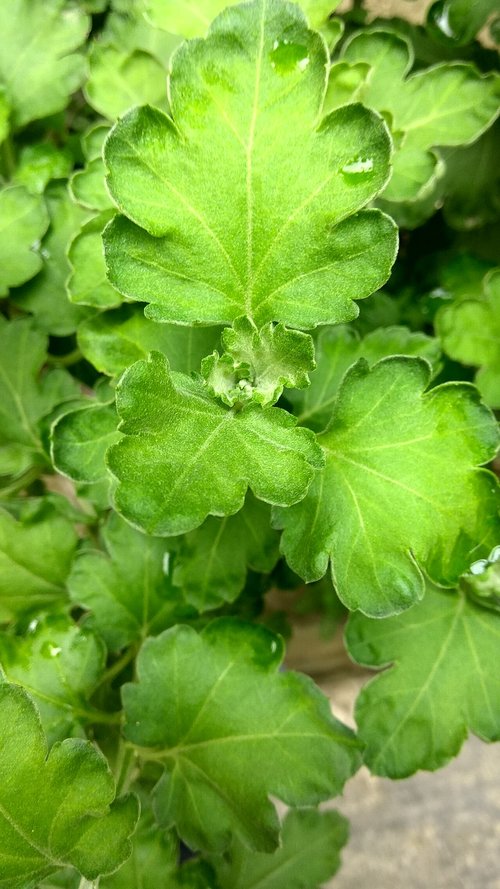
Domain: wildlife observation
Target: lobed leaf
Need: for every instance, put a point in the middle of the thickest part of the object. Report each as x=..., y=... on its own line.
x=400, y=493
x=309, y=854
x=126, y=587
x=59, y=664
x=337, y=349
x=35, y=559
x=57, y=809
x=442, y=682
x=39, y=67
x=211, y=562
x=230, y=731
x=183, y=456
x=446, y=104
x=470, y=333
x=280, y=234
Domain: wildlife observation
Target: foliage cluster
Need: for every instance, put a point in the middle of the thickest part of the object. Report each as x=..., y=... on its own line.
x=224, y=373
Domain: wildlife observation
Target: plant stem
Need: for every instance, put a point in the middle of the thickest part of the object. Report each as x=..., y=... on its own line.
x=119, y=665
x=64, y=360
x=88, y=884
x=125, y=768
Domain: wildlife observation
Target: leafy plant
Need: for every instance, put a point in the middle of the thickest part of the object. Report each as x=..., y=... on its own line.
x=207, y=398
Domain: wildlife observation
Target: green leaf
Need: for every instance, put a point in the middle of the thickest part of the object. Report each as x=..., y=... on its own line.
x=183, y=456
x=38, y=66
x=258, y=364
x=119, y=80
x=278, y=235
x=28, y=393
x=400, y=493
x=45, y=296
x=470, y=333
x=337, y=349
x=447, y=104
x=230, y=731
x=126, y=587
x=309, y=855
x=59, y=665
x=153, y=863
x=114, y=340
x=443, y=682
x=59, y=809
x=211, y=562
x=35, y=560
x=471, y=185
x=87, y=187
x=41, y=162
x=80, y=439
x=87, y=283
x=24, y=222
x=194, y=20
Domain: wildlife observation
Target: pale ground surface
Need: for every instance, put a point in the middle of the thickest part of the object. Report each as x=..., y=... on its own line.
x=436, y=830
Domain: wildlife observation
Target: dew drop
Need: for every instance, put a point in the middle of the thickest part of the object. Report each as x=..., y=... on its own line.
x=440, y=24
x=358, y=166
x=166, y=563
x=479, y=567
x=287, y=57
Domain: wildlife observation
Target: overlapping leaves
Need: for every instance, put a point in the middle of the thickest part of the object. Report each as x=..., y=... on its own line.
x=447, y=104
x=400, y=492
x=230, y=731
x=183, y=456
x=443, y=682
x=58, y=809
x=280, y=235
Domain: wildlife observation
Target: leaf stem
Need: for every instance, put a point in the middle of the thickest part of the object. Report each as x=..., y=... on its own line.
x=22, y=481
x=88, y=884
x=119, y=665
x=125, y=767
x=64, y=360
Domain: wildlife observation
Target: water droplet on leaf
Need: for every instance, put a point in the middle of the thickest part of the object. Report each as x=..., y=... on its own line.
x=288, y=57
x=358, y=167
x=479, y=567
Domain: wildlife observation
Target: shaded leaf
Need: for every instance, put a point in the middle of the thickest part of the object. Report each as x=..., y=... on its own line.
x=337, y=348
x=230, y=731
x=59, y=665
x=35, y=559
x=211, y=562
x=24, y=221
x=45, y=295
x=309, y=855
x=87, y=283
x=126, y=587
x=59, y=809
x=443, y=682
x=114, y=340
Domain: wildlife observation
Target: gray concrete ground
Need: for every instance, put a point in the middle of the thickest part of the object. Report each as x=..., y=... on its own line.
x=436, y=830
x=431, y=831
